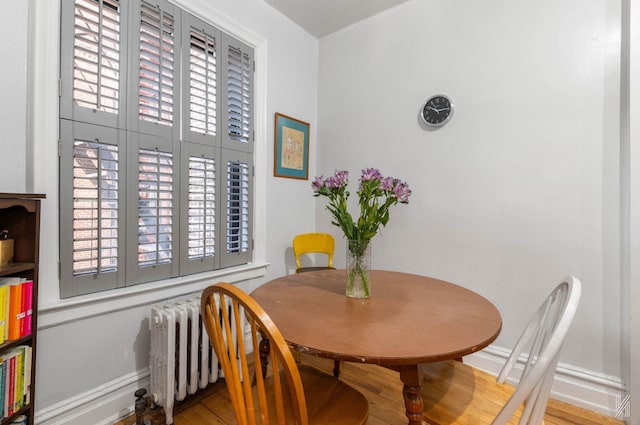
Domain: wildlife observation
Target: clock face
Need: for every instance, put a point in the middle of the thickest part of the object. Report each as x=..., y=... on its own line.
x=437, y=110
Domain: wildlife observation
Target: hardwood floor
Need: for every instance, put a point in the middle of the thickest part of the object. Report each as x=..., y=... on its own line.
x=381, y=386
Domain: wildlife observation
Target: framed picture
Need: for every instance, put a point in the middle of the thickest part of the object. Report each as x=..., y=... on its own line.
x=291, y=150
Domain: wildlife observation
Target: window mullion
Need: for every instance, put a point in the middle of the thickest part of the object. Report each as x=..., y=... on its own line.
x=160, y=63
x=99, y=207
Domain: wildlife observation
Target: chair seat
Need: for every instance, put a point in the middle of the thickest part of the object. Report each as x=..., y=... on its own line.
x=329, y=400
x=455, y=393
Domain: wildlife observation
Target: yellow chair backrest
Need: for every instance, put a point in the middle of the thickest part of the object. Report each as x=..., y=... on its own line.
x=309, y=243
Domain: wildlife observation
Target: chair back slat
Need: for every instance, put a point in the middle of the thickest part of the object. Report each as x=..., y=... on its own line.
x=260, y=385
x=264, y=401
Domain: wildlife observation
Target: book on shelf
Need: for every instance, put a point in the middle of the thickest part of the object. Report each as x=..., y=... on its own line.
x=2, y=391
x=15, y=379
x=4, y=298
x=28, y=353
x=16, y=312
x=10, y=382
x=27, y=308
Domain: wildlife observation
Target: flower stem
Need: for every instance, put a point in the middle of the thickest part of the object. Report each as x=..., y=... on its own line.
x=358, y=281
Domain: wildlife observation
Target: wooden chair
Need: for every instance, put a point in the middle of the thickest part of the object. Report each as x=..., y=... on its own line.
x=291, y=394
x=455, y=393
x=313, y=243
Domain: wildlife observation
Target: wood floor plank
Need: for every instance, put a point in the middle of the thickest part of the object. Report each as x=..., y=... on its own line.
x=382, y=387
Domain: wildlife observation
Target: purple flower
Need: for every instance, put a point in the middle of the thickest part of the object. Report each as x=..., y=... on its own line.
x=376, y=195
x=338, y=180
x=402, y=191
x=369, y=174
x=387, y=184
x=317, y=183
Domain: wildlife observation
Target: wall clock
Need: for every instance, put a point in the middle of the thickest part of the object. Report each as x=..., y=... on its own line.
x=437, y=110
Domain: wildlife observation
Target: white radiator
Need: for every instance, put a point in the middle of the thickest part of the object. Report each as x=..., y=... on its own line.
x=181, y=359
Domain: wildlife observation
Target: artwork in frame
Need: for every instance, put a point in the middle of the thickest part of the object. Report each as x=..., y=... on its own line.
x=291, y=150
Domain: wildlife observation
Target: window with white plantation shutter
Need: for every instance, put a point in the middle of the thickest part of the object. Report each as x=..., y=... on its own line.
x=156, y=65
x=239, y=96
x=156, y=145
x=155, y=208
x=95, y=208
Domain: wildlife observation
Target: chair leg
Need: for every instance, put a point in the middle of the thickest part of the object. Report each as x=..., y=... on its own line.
x=336, y=368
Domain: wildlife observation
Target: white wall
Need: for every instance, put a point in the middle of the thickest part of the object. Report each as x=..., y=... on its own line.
x=93, y=350
x=632, y=287
x=13, y=86
x=522, y=187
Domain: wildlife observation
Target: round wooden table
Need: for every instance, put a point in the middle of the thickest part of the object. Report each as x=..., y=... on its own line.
x=408, y=320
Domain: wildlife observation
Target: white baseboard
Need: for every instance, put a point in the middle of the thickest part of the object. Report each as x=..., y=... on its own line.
x=100, y=406
x=580, y=387
x=114, y=400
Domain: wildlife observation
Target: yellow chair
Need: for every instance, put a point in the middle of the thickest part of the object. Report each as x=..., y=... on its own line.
x=292, y=394
x=313, y=243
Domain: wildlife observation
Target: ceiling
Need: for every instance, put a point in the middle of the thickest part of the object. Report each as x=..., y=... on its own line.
x=323, y=17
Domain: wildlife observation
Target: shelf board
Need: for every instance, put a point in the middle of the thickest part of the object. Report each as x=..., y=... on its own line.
x=16, y=268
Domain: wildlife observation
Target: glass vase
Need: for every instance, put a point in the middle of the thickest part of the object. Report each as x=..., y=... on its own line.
x=358, y=268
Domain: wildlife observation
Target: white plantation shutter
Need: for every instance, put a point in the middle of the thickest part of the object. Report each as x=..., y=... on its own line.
x=200, y=203
x=202, y=82
x=202, y=206
x=96, y=55
x=155, y=208
x=91, y=210
x=155, y=68
x=236, y=207
x=93, y=71
x=239, y=96
x=95, y=208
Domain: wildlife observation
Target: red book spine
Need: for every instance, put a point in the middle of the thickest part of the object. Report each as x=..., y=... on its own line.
x=27, y=307
x=12, y=385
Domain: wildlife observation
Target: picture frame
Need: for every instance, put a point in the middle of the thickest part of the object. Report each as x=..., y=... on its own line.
x=291, y=148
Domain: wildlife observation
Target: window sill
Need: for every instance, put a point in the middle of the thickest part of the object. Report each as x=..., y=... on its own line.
x=82, y=307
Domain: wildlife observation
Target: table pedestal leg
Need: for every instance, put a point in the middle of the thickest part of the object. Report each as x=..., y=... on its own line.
x=410, y=377
x=264, y=355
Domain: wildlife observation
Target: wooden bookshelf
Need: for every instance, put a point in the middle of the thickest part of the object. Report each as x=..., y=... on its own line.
x=20, y=216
